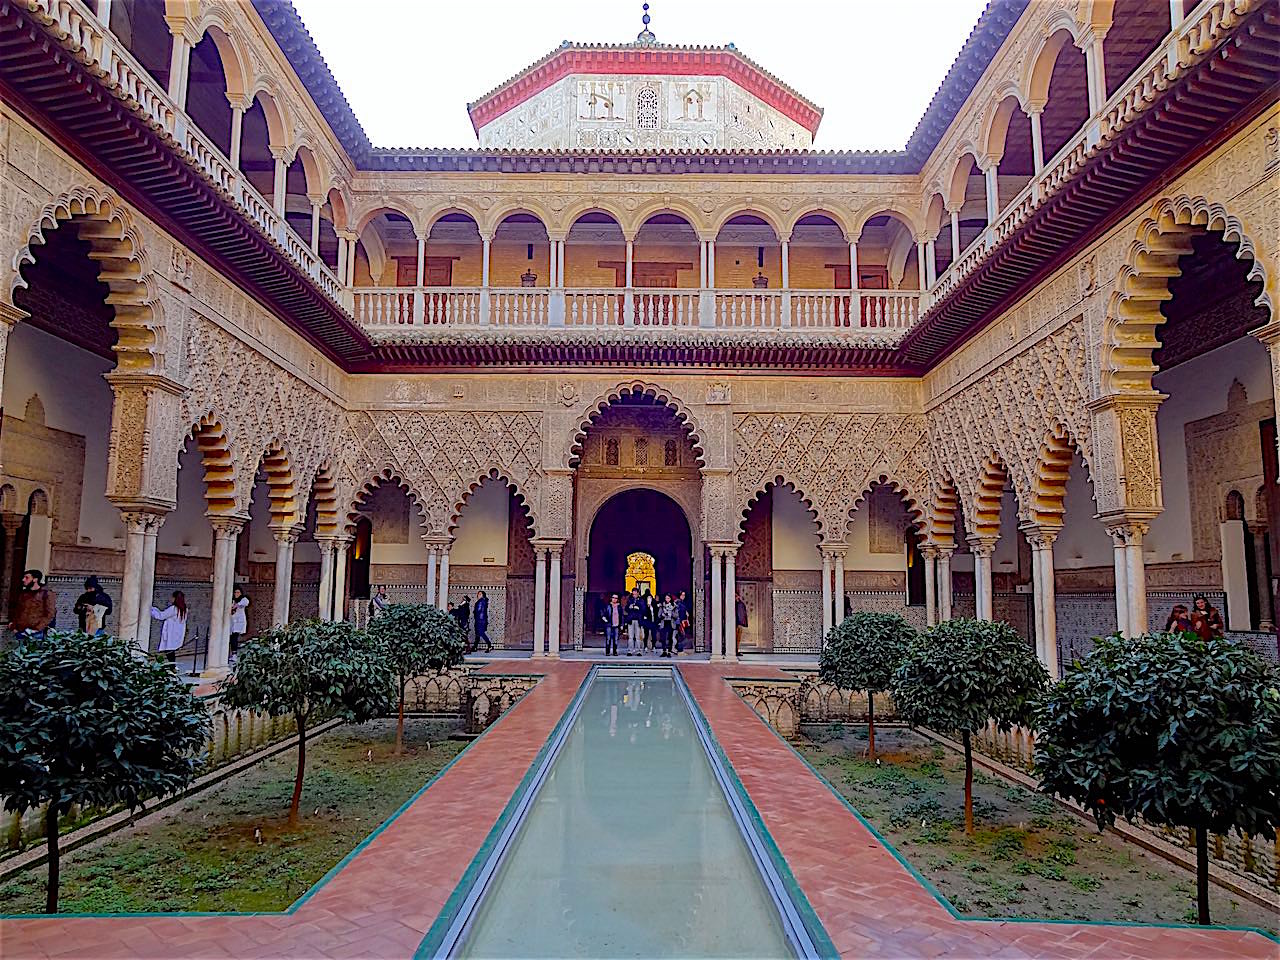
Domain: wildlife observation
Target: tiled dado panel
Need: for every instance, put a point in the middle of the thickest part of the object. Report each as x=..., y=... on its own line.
x=797, y=615
x=497, y=595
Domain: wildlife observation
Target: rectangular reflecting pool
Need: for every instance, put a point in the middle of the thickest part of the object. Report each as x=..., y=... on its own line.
x=632, y=844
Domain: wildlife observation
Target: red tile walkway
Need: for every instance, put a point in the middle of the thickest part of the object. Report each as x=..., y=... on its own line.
x=382, y=902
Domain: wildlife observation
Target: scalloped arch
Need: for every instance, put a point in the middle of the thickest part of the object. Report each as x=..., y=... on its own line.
x=1133, y=313
x=282, y=486
x=993, y=477
x=1053, y=469
x=388, y=476
x=779, y=482
x=915, y=508
x=215, y=448
x=498, y=476
x=944, y=507
x=116, y=244
x=666, y=397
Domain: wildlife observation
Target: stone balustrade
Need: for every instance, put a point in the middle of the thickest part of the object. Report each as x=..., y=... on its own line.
x=393, y=309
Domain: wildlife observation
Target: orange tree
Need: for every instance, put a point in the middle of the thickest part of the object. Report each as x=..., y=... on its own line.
x=961, y=675
x=863, y=653
x=1171, y=728
x=92, y=721
x=416, y=638
x=310, y=669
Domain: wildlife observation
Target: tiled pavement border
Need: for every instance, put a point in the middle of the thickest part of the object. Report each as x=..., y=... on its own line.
x=381, y=900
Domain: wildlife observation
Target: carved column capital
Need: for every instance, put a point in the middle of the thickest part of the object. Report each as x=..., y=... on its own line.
x=141, y=520
x=227, y=528
x=289, y=533
x=981, y=546
x=1040, y=535
x=1126, y=531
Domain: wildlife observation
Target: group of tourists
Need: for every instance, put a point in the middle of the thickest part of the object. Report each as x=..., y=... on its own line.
x=650, y=624
x=1203, y=619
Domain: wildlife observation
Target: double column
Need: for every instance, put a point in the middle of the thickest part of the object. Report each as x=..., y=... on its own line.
x=142, y=528
x=1041, y=539
x=724, y=601
x=226, y=531
x=438, y=571
x=333, y=577
x=982, y=548
x=286, y=538
x=832, y=596
x=546, y=600
x=1131, y=576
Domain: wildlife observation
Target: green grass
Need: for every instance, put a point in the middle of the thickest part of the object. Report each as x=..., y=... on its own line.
x=230, y=848
x=1027, y=858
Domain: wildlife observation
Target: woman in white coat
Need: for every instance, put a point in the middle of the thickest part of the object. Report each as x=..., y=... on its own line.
x=239, y=623
x=174, y=632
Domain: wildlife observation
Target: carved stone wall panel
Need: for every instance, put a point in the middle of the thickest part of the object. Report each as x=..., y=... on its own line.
x=441, y=454
x=1010, y=413
x=831, y=459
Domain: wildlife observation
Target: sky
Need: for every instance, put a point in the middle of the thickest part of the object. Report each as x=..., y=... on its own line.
x=409, y=67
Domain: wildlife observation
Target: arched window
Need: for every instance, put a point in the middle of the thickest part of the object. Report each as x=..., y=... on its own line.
x=647, y=109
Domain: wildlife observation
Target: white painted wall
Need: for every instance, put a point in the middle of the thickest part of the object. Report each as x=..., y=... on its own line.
x=795, y=533
x=1196, y=389
x=76, y=399
x=481, y=534
x=186, y=530
x=1083, y=541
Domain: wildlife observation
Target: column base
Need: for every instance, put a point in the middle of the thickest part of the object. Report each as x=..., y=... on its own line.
x=717, y=656
x=551, y=656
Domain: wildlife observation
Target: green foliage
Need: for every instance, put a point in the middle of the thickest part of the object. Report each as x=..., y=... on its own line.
x=1175, y=729
x=91, y=720
x=311, y=668
x=418, y=638
x=865, y=651
x=961, y=674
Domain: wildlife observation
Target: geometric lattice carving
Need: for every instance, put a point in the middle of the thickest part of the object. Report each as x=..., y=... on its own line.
x=831, y=459
x=441, y=455
x=1007, y=416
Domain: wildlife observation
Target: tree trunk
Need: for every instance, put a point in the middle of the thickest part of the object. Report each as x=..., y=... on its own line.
x=871, y=725
x=400, y=726
x=968, y=783
x=302, y=765
x=51, y=835
x=1202, y=875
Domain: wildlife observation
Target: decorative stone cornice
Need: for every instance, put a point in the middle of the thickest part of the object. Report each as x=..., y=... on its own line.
x=145, y=380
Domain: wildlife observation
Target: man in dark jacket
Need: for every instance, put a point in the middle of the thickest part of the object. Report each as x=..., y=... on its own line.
x=482, y=622
x=634, y=613
x=462, y=614
x=35, y=607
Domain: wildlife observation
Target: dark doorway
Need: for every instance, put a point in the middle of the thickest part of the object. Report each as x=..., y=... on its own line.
x=359, y=561
x=636, y=521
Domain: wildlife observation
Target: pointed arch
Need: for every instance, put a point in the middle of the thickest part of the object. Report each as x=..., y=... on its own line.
x=667, y=398
x=988, y=492
x=115, y=243
x=497, y=476
x=282, y=489
x=1049, y=482
x=214, y=448
x=944, y=508
x=324, y=494
x=388, y=476
x=1134, y=315
x=779, y=482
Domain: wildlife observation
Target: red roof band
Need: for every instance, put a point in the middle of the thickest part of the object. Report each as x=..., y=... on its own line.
x=647, y=60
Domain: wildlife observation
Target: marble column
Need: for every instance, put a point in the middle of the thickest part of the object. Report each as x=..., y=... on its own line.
x=930, y=555
x=341, y=549
x=315, y=224
x=717, y=603
x=147, y=581
x=1037, y=140
x=955, y=235
x=826, y=597
x=325, y=611
x=553, y=606
x=431, y=574
x=1121, y=578
x=730, y=604
x=442, y=596
x=539, y=599
x=238, y=107
x=226, y=530
x=286, y=540
x=1135, y=573
x=982, y=548
x=1041, y=540
x=944, y=583
x=837, y=612
x=1261, y=581
x=135, y=606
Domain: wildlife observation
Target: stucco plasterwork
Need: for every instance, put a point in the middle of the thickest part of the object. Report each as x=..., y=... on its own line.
x=1007, y=416
x=831, y=460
